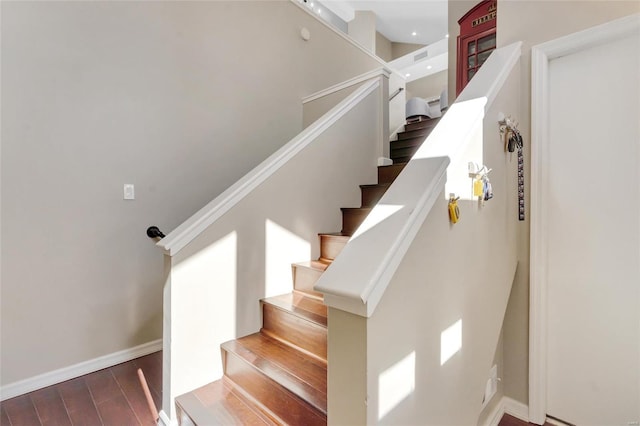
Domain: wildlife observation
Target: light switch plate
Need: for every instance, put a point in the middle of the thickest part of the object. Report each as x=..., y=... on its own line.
x=129, y=191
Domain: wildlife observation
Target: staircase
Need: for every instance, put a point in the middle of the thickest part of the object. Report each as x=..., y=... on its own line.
x=410, y=140
x=279, y=375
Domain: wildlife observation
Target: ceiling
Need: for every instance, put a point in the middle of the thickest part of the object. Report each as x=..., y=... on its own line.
x=398, y=19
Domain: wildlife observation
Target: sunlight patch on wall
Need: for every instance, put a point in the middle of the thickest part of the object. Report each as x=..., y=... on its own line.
x=395, y=384
x=282, y=248
x=203, y=310
x=450, y=341
x=459, y=136
x=379, y=213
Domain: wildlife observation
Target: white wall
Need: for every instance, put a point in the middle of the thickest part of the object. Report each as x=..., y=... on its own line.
x=180, y=99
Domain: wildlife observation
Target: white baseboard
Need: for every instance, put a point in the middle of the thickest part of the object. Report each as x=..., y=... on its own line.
x=516, y=409
x=67, y=373
x=507, y=406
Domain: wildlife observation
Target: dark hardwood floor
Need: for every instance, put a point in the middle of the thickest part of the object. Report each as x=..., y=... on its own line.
x=109, y=397
x=112, y=396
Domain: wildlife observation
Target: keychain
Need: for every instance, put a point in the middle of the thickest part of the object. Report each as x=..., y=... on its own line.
x=454, y=211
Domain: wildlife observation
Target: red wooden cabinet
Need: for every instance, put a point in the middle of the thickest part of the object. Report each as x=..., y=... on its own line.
x=476, y=41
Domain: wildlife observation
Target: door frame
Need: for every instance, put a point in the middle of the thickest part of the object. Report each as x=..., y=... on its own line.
x=541, y=55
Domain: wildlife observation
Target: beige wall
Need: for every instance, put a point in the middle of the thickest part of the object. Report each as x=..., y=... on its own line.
x=429, y=86
x=362, y=28
x=180, y=99
x=383, y=47
x=401, y=49
x=545, y=20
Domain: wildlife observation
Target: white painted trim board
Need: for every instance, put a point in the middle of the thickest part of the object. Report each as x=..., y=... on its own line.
x=384, y=72
x=541, y=55
x=507, y=406
x=71, y=372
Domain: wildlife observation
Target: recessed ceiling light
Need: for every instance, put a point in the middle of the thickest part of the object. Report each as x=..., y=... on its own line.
x=407, y=75
x=446, y=36
x=414, y=33
x=319, y=10
x=429, y=67
x=311, y=4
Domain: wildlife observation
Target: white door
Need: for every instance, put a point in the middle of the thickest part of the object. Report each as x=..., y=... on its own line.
x=592, y=207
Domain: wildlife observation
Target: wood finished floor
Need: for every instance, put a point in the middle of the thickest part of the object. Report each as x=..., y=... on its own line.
x=112, y=396
x=109, y=397
x=508, y=420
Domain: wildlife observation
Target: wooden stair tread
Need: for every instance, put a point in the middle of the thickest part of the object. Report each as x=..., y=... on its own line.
x=316, y=265
x=376, y=185
x=308, y=308
x=217, y=404
x=356, y=209
x=301, y=375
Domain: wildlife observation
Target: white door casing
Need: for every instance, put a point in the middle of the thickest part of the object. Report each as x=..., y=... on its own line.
x=542, y=197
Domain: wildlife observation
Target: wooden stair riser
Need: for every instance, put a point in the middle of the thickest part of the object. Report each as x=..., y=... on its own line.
x=269, y=395
x=371, y=194
x=407, y=143
x=403, y=152
x=387, y=174
x=352, y=218
x=304, y=278
x=415, y=133
x=331, y=245
x=291, y=329
x=421, y=124
x=401, y=160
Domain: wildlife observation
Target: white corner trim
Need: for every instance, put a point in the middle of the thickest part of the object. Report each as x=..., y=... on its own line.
x=383, y=71
x=177, y=239
x=494, y=417
x=67, y=373
x=515, y=408
x=541, y=56
x=507, y=406
x=591, y=37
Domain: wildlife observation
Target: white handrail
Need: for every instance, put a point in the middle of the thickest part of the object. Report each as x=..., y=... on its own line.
x=192, y=227
x=382, y=71
x=386, y=234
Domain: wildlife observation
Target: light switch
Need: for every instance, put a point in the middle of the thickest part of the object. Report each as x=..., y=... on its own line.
x=129, y=193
